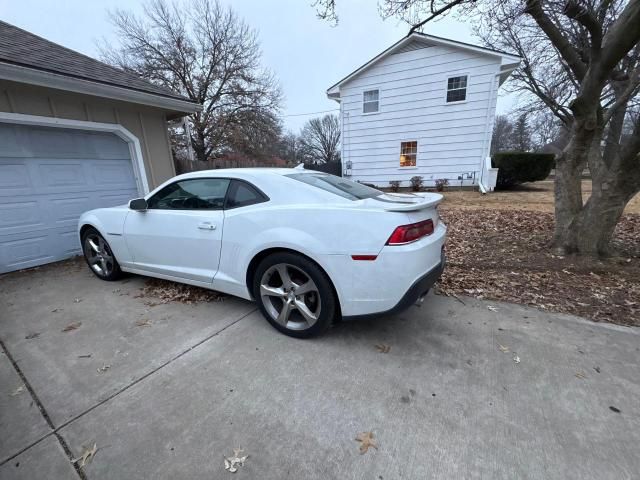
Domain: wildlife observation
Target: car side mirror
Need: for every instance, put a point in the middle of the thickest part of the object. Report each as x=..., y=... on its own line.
x=139, y=204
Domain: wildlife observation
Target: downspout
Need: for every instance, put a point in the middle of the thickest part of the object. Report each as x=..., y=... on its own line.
x=487, y=136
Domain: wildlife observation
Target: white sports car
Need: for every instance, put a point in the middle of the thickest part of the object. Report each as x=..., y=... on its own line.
x=308, y=247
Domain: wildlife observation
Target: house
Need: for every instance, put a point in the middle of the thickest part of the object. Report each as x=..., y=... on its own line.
x=423, y=107
x=75, y=134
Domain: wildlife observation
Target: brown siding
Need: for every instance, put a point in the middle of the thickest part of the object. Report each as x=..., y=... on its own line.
x=146, y=123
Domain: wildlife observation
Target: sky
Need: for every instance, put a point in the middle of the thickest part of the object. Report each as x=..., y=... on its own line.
x=306, y=54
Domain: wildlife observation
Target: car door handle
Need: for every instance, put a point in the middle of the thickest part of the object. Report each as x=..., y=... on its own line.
x=206, y=226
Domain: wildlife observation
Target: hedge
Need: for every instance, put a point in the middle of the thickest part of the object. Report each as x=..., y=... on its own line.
x=519, y=167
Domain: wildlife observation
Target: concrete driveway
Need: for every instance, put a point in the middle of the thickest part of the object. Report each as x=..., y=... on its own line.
x=170, y=398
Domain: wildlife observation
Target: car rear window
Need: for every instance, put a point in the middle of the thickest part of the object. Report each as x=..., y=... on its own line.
x=337, y=185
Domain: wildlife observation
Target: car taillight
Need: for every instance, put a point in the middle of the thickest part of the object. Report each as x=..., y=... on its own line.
x=410, y=233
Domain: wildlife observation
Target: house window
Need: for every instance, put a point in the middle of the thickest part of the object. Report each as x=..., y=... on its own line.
x=408, y=154
x=370, y=101
x=457, y=89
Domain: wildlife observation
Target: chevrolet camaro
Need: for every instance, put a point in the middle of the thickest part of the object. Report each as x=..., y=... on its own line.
x=308, y=247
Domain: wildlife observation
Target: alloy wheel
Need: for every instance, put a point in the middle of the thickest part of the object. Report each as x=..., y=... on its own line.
x=290, y=296
x=99, y=255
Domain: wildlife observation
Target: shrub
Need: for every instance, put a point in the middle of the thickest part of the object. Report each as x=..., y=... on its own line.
x=416, y=183
x=394, y=185
x=441, y=183
x=519, y=167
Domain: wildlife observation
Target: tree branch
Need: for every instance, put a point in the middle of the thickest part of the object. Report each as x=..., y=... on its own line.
x=566, y=50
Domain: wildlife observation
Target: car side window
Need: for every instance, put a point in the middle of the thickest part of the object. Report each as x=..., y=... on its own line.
x=242, y=194
x=194, y=194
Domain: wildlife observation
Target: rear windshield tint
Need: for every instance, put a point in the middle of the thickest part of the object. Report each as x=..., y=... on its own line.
x=337, y=185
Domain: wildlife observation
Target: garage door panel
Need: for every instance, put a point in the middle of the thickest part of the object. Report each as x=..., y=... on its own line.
x=14, y=176
x=43, y=191
x=61, y=174
x=19, y=214
x=120, y=199
x=68, y=209
x=113, y=172
x=25, y=251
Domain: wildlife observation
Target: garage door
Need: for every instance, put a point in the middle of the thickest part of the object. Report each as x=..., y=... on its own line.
x=48, y=177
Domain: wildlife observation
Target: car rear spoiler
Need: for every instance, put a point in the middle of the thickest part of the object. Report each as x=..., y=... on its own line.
x=417, y=201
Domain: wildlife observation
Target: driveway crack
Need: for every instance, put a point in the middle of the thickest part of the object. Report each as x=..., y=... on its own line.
x=43, y=412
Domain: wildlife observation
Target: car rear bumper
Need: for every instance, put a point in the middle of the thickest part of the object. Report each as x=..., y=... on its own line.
x=415, y=292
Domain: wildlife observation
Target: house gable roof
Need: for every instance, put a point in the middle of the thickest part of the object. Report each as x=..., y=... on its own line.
x=509, y=61
x=24, y=49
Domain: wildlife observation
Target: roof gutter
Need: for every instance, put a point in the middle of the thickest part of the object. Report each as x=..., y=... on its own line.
x=41, y=78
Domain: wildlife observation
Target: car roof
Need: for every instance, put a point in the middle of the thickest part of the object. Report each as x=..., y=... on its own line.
x=239, y=172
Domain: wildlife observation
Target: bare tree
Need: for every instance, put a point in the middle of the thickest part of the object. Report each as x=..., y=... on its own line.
x=581, y=61
x=320, y=139
x=521, y=134
x=205, y=52
x=502, y=138
x=546, y=128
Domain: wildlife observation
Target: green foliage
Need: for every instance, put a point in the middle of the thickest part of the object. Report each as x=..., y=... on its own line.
x=520, y=167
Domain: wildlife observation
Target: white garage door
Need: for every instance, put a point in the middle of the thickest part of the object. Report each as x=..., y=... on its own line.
x=48, y=177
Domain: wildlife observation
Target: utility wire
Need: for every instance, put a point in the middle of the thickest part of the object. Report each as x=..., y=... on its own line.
x=310, y=113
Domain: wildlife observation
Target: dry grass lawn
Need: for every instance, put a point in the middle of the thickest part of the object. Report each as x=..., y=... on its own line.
x=536, y=197
x=500, y=251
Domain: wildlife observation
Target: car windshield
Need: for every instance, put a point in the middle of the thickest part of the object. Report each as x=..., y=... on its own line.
x=337, y=185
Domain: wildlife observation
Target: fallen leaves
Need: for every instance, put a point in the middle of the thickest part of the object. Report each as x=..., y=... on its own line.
x=17, y=391
x=232, y=463
x=72, y=326
x=503, y=349
x=516, y=358
x=492, y=308
x=580, y=375
x=382, y=348
x=103, y=368
x=86, y=456
x=143, y=323
x=366, y=441
x=166, y=291
x=521, y=269
x=31, y=336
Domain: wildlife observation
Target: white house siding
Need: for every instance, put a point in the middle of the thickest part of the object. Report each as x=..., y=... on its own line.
x=453, y=139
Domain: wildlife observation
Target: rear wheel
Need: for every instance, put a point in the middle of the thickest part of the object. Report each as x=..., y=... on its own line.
x=294, y=295
x=99, y=256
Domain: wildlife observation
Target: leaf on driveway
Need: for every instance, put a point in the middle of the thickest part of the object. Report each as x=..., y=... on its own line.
x=516, y=358
x=86, y=456
x=18, y=391
x=580, y=375
x=143, y=323
x=503, y=349
x=77, y=300
x=103, y=368
x=72, y=326
x=492, y=308
x=31, y=336
x=382, y=348
x=366, y=441
x=231, y=464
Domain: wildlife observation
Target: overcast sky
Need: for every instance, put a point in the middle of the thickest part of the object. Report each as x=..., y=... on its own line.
x=306, y=54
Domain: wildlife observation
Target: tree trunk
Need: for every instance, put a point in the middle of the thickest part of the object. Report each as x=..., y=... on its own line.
x=588, y=229
x=597, y=221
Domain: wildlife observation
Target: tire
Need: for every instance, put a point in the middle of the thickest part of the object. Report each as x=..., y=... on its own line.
x=307, y=297
x=99, y=256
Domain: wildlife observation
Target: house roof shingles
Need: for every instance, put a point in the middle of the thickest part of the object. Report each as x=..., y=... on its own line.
x=22, y=48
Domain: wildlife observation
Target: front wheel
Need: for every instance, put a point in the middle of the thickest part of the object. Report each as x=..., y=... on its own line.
x=99, y=256
x=294, y=295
